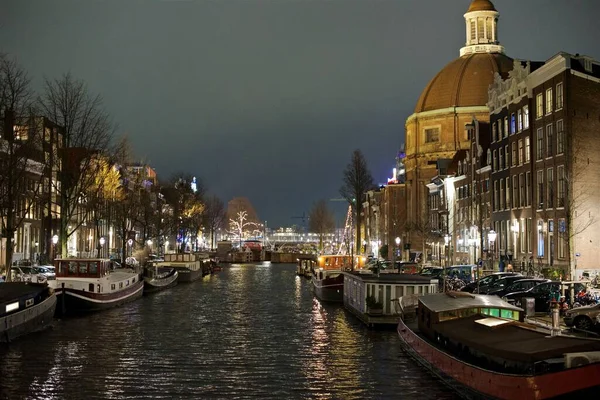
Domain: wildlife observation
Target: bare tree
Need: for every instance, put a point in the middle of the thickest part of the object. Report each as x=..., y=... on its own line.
x=321, y=221
x=87, y=131
x=357, y=181
x=214, y=217
x=241, y=227
x=20, y=153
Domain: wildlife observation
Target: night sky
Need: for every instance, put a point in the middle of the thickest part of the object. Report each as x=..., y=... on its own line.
x=267, y=99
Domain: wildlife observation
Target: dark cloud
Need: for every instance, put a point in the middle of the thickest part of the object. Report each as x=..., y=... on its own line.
x=268, y=98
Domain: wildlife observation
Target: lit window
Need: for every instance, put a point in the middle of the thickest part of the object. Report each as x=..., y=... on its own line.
x=520, y=120
x=548, y=101
x=526, y=117
x=539, y=102
x=527, y=150
x=540, y=144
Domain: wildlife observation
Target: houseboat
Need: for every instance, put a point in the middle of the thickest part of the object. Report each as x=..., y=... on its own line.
x=306, y=264
x=371, y=296
x=159, y=278
x=24, y=308
x=189, y=266
x=327, y=278
x=482, y=348
x=89, y=284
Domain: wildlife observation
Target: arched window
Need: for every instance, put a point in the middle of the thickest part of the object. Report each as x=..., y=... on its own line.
x=473, y=30
x=481, y=32
x=489, y=29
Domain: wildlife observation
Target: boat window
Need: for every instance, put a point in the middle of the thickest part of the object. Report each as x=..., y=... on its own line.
x=448, y=315
x=467, y=312
x=83, y=269
x=410, y=290
x=507, y=314
x=120, y=285
x=93, y=269
x=492, y=312
x=127, y=283
x=112, y=286
x=91, y=287
x=72, y=268
x=133, y=280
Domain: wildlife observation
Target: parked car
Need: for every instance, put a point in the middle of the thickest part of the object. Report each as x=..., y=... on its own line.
x=466, y=273
x=45, y=271
x=541, y=293
x=406, y=267
x=512, y=284
x=432, y=272
x=483, y=283
x=585, y=318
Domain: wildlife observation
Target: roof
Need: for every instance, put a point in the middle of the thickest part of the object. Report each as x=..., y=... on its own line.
x=448, y=301
x=464, y=82
x=481, y=5
x=391, y=278
x=12, y=291
x=512, y=341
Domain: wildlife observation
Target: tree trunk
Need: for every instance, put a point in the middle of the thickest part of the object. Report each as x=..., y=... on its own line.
x=358, y=222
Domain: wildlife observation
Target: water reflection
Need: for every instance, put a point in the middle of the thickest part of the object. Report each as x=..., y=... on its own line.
x=249, y=331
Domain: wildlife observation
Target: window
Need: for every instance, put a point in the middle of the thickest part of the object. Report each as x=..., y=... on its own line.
x=550, y=184
x=559, y=96
x=520, y=155
x=549, y=141
x=495, y=161
x=488, y=29
x=496, y=196
x=562, y=242
x=540, y=144
x=540, y=253
x=548, y=101
x=514, y=154
x=494, y=132
x=540, y=189
x=507, y=192
x=513, y=124
x=515, y=191
x=560, y=137
x=480, y=30
x=528, y=187
x=500, y=159
x=560, y=175
x=539, y=102
x=520, y=120
x=522, y=190
x=505, y=127
x=506, y=156
x=526, y=117
x=473, y=30
x=432, y=135
x=502, y=203
x=527, y=150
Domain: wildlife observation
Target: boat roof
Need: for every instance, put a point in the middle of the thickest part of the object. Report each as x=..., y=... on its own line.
x=368, y=276
x=512, y=340
x=440, y=302
x=11, y=291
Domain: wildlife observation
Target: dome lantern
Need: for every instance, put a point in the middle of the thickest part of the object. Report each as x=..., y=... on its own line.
x=481, y=21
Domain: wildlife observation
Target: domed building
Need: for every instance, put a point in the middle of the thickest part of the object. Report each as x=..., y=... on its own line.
x=457, y=94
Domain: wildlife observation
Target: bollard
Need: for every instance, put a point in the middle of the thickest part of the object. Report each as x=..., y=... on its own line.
x=555, y=322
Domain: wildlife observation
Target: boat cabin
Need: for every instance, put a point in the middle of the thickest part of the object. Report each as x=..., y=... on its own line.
x=341, y=262
x=438, y=308
x=82, y=268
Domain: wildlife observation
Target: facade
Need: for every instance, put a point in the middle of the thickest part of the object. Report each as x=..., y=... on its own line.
x=545, y=120
x=456, y=95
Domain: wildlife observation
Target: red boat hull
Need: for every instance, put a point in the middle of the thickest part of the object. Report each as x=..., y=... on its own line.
x=496, y=385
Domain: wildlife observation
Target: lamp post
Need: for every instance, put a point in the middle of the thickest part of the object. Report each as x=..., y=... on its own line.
x=130, y=243
x=397, y=240
x=492, y=239
x=101, y=243
x=149, y=243
x=54, y=242
x=447, y=242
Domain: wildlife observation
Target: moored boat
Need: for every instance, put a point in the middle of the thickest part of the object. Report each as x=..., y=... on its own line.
x=159, y=278
x=306, y=264
x=481, y=347
x=328, y=279
x=189, y=266
x=24, y=308
x=86, y=285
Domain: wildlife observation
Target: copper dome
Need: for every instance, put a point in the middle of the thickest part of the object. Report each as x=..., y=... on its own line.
x=464, y=82
x=481, y=5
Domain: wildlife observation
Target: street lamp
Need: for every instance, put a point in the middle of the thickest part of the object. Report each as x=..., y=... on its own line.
x=397, y=240
x=447, y=242
x=492, y=239
x=54, y=242
x=101, y=243
x=130, y=243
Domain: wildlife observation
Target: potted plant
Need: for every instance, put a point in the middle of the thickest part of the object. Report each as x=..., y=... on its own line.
x=373, y=305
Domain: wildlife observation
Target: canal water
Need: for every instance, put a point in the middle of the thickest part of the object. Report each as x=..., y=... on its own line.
x=249, y=331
